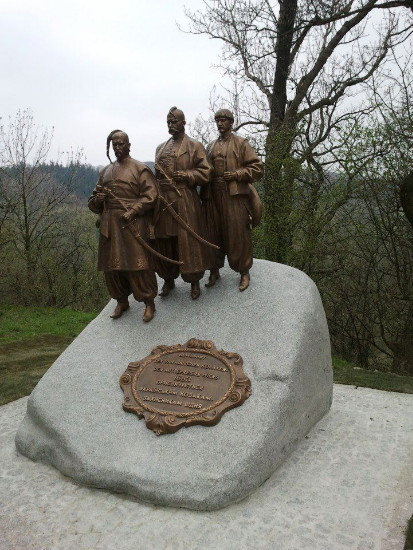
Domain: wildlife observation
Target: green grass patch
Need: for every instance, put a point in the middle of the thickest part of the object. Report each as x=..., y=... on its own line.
x=31, y=339
x=23, y=363
x=346, y=373
x=22, y=323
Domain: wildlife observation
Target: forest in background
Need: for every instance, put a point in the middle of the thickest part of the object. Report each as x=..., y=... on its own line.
x=335, y=129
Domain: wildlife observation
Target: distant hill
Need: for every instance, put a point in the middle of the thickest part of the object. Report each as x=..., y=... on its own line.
x=84, y=181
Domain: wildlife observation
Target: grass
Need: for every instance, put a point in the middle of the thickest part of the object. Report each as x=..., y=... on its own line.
x=31, y=339
x=22, y=364
x=346, y=373
x=21, y=323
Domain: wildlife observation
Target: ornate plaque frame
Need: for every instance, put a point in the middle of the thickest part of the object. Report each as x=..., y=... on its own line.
x=173, y=414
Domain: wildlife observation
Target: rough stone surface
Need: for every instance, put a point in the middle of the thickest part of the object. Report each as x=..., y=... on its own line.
x=75, y=420
x=348, y=485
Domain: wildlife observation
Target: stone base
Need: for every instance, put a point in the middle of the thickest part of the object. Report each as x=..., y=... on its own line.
x=346, y=486
x=75, y=419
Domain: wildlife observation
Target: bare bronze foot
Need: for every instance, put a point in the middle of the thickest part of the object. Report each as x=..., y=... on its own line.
x=245, y=281
x=168, y=285
x=149, y=311
x=195, y=291
x=213, y=277
x=119, y=309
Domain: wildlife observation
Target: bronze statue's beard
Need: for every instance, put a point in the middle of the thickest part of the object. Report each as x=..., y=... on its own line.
x=122, y=154
x=174, y=131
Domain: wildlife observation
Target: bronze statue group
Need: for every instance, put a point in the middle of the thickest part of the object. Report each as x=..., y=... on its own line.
x=162, y=224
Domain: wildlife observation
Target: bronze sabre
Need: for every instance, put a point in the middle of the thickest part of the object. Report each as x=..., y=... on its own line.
x=183, y=224
x=169, y=179
x=139, y=238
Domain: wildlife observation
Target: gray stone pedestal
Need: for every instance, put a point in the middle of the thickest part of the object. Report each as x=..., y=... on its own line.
x=75, y=420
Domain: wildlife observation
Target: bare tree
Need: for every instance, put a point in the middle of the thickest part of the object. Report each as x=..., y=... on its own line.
x=293, y=64
x=43, y=235
x=369, y=298
x=30, y=192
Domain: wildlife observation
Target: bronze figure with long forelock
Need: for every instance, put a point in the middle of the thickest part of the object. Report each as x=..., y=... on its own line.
x=124, y=197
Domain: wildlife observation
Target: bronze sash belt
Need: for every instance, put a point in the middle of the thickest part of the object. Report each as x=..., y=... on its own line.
x=115, y=204
x=167, y=185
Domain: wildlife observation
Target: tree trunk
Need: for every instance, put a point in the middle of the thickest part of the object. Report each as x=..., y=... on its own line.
x=403, y=350
x=406, y=197
x=279, y=176
x=278, y=196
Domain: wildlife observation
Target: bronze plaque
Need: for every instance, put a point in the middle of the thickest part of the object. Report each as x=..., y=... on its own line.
x=184, y=384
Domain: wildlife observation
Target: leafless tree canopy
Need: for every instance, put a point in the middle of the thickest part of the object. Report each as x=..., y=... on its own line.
x=325, y=91
x=45, y=240
x=296, y=68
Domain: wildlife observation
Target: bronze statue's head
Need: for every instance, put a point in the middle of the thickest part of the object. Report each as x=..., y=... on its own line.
x=175, y=121
x=120, y=144
x=224, y=113
x=224, y=120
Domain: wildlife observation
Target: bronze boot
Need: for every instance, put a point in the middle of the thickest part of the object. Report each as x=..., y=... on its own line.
x=195, y=291
x=245, y=281
x=168, y=285
x=213, y=277
x=149, y=311
x=119, y=309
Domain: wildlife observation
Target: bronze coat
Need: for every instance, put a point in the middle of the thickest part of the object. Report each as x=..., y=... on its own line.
x=191, y=158
x=228, y=204
x=129, y=185
x=241, y=159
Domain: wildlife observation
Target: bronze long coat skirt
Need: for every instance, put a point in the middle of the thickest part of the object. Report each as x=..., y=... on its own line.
x=129, y=184
x=227, y=204
x=172, y=239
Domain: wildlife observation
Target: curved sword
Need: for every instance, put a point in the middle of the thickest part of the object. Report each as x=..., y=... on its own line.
x=138, y=237
x=142, y=242
x=168, y=178
x=183, y=224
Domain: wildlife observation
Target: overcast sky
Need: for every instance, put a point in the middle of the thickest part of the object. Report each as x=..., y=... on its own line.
x=87, y=67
